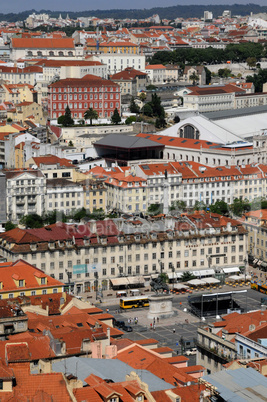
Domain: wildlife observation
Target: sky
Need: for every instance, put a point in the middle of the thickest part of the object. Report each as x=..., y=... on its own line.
x=15, y=6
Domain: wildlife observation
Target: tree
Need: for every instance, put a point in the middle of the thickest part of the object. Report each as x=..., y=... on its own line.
x=164, y=277
x=240, y=206
x=251, y=62
x=32, y=221
x=91, y=115
x=224, y=72
x=220, y=207
x=178, y=205
x=70, y=144
x=61, y=119
x=208, y=75
x=199, y=206
x=151, y=87
x=80, y=214
x=130, y=120
x=187, y=276
x=176, y=119
x=68, y=120
x=134, y=108
x=142, y=97
x=155, y=209
x=160, y=122
x=9, y=226
x=194, y=77
x=147, y=110
x=115, y=118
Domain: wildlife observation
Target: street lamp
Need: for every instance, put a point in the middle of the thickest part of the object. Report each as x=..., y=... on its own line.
x=96, y=284
x=209, y=260
x=173, y=270
x=161, y=266
x=245, y=262
x=69, y=276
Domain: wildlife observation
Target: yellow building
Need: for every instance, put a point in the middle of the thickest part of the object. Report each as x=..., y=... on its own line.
x=20, y=278
x=27, y=110
x=125, y=47
x=95, y=194
x=19, y=93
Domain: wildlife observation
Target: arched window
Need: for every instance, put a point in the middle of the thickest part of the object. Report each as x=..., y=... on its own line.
x=60, y=54
x=39, y=53
x=51, y=53
x=70, y=54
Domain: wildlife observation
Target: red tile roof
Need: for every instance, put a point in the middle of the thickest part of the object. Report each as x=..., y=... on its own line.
x=52, y=160
x=23, y=270
x=87, y=80
x=43, y=43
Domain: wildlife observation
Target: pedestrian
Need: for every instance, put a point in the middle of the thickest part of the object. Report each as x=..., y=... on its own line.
x=154, y=326
x=129, y=321
x=173, y=330
x=157, y=319
x=154, y=320
x=151, y=325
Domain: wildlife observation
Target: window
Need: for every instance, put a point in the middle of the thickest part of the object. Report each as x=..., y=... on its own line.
x=21, y=283
x=44, y=291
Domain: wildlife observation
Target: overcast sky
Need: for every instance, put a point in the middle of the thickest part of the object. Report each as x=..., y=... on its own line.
x=84, y=5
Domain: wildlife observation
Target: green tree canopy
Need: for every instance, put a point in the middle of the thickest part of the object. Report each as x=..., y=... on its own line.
x=32, y=221
x=9, y=226
x=66, y=120
x=240, y=206
x=91, y=115
x=115, y=118
x=251, y=62
x=194, y=78
x=147, y=110
x=220, y=207
x=134, y=108
x=187, y=276
x=155, y=209
x=130, y=120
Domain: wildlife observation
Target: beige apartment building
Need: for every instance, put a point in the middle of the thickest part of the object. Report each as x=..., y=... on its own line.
x=130, y=251
x=64, y=196
x=255, y=223
x=25, y=193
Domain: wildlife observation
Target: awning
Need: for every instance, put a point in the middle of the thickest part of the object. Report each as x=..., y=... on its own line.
x=119, y=281
x=204, y=272
x=211, y=280
x=179, y=286
x=196, y=282
x=231, y=269
x=135, y=279
x=175, y=275
x=235, y=278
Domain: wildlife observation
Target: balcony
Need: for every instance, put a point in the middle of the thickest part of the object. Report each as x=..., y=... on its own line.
x=223, y=356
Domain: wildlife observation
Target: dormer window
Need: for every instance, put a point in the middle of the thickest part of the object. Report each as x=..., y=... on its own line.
x=21, y=283
x=43, y=281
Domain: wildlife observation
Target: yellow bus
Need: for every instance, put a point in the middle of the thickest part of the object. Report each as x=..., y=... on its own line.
x=134, y=302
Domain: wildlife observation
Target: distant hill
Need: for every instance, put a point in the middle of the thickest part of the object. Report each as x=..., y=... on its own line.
x=191, y=11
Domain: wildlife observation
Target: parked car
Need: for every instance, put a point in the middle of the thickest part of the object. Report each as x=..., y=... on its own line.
x=127, y=328
x=118, y=324
x=192, y=351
